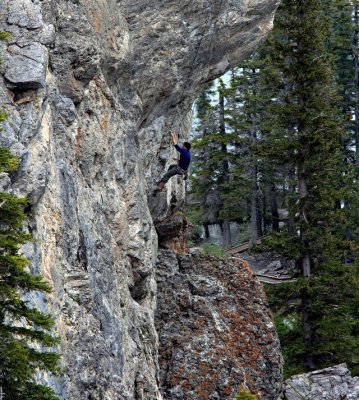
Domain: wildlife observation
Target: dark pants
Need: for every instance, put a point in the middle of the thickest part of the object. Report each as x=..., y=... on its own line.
x=173, y=170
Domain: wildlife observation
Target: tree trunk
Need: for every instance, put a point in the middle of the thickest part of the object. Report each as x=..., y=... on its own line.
x=306, y=301
x=304, y=150
x=264, y=213
x=255, y=221
x=274, y=208
x=206, y=231
x=226, y=230
x=225, y=168
x=291, y=190
x=356, y=76
x=305, y=268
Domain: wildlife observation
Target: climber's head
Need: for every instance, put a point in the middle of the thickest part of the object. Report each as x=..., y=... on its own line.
x=187, y=145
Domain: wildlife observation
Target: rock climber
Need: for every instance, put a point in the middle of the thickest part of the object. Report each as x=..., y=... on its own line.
x=181, y=167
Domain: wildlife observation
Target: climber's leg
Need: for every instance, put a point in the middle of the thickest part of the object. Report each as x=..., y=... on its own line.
x=172, y=170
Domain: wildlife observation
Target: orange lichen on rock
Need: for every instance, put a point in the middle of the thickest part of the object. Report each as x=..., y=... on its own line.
x=228, y=338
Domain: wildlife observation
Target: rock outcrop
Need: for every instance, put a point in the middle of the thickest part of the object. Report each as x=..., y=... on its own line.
x=215, y=330
x=91, y=88
x=334, y=383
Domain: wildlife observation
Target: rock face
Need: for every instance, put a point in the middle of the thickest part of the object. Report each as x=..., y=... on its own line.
x=91, y=88
x=215, y=330
x=333, y=383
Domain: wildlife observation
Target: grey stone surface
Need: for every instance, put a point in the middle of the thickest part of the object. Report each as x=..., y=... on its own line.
x=5, y=181
x=268, y=264
x=66, y=109
x=110, y=79
x=24, y=14
x=25, y=67
x=334, y=383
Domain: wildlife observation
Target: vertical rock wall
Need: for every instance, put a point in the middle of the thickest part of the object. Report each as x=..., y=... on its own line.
x=91, y=88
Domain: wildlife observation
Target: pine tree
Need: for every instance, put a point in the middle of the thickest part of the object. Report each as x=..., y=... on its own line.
x=25, y=332
x=254, y=179
x=234, y=188
x=211, y=164
x=245, y=122
x=232, y=180
x=355, y=5
x=23, y=329
x=308, y=136
x=224, y=164
x=343, y=44
x=203, y=168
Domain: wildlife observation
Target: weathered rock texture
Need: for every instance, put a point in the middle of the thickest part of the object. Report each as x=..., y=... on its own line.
x=333, y=383
x=215, y=330
x=91, y=88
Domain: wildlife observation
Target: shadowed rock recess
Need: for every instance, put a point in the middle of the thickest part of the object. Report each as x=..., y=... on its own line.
x=91, y=88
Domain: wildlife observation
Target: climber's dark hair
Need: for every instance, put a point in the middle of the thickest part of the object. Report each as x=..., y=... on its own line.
x=187, y=145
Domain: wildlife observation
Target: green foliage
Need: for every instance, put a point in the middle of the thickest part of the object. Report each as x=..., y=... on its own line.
x=243, y=234
x=8, y=162
x=206, y=156
x=315, y=316
x=333, y=316
x=245, y=395
x=194, y=217
x=3, y=115
x=5, y=36
x=213, y=250
x=23, y=330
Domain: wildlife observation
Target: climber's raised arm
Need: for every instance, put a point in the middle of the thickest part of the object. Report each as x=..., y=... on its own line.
x=174, y=139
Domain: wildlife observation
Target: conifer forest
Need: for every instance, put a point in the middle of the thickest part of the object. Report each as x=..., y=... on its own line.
x=277, y=151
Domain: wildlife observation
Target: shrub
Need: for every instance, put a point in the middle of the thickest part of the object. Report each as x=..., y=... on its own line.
x=245, y=395
x=213, y=250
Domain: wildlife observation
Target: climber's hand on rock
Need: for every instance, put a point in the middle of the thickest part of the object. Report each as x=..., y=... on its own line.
x=174, y=139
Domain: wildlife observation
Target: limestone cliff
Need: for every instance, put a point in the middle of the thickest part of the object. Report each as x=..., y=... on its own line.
x=91, y=88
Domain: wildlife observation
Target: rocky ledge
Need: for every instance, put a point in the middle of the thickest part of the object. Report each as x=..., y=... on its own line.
x=334, y=383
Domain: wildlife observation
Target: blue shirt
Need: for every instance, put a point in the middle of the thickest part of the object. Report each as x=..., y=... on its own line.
x=185, y=157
